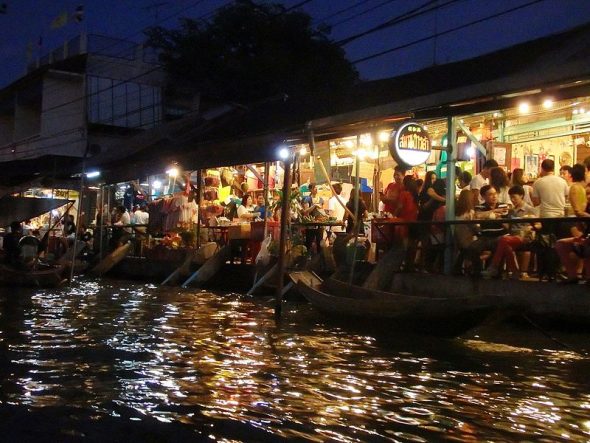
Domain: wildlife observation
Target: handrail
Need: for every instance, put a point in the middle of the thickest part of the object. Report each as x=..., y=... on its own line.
x=521, y=220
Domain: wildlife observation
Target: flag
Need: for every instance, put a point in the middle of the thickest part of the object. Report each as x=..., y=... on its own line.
x=78, y=15
x=60, y=21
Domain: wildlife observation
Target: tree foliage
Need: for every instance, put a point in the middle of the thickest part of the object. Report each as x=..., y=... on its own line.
x=250, y=51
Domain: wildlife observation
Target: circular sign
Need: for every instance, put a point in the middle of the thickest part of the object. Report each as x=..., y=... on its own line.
x=410, y=144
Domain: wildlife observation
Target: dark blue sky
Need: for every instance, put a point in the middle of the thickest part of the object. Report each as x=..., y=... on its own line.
x=26, y=20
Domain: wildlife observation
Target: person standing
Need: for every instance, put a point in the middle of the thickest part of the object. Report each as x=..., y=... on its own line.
x=550, y=192
x=10, y=243
x=390, y=196
x=260, y=207
x=361, y=214
x=336, y=207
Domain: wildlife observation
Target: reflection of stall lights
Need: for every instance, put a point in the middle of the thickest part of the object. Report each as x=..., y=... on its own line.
x=374, y=154
x=384, y=136
x=470, y=152
x=55, y=212
x=283, y=153
x=548, y=103
x=349, y=144
x=157, y=184
x=172, y=172
x=93, y=174
x=496, y=114
x=524, y=108
x=303, y=151
x=582, y=110
x=575, y=111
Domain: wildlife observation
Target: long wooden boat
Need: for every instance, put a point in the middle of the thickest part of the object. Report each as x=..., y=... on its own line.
x=444, y=316
x=46, y=277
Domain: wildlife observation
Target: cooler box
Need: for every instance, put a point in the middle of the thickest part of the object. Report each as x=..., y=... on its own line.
x=239, y=232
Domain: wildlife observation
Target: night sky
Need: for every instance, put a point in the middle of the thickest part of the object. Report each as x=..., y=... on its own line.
x=27, y=20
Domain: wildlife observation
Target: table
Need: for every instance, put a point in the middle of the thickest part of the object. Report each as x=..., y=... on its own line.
x=220, y=231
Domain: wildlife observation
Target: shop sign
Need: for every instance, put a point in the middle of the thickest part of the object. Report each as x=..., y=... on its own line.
x=410, y=144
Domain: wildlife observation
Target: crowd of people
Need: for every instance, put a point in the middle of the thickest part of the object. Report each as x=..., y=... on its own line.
x=491, y=244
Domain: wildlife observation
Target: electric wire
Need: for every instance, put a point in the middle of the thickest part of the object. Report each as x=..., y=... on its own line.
x=448, y=31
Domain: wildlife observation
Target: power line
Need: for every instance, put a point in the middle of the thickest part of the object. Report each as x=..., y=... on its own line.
x=448, y=31
x=371, y=9
x=342, y=11
x=297, y=5
x=408, y=15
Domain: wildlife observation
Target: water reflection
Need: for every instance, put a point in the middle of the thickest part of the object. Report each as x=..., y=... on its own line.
x=221, y=365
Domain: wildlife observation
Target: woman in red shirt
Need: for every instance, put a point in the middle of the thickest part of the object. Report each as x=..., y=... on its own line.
x=407, y=210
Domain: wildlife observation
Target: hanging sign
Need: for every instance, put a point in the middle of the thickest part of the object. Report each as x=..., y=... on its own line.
x=410, y=144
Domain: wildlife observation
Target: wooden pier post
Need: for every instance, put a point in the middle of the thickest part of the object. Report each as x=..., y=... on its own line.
x=285, y=219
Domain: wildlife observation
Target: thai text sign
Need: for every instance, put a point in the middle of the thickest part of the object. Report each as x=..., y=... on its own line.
x=410, y=144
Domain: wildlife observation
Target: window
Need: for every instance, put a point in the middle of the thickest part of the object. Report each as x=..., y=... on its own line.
x=123, y=104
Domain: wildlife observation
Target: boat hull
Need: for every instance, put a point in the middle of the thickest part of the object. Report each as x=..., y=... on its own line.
x=437, y=316
x=45, y=278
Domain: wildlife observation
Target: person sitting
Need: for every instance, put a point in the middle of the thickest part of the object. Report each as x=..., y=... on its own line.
x=10, y=244
x=121, y=230
x=574, y=249
x=312, y=206
x=464, y=234
x=490, y=231
x=499, y=180
x=520, y=235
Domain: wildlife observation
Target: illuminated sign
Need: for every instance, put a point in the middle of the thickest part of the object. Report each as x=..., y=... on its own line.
x=410, y=144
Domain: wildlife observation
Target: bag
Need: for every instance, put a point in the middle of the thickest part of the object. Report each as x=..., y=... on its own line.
x=263, y=257
x=582, y=249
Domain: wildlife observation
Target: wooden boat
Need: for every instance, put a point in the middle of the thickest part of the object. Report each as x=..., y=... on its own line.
x=445, y=316
x=45, y=277
x=107, y=263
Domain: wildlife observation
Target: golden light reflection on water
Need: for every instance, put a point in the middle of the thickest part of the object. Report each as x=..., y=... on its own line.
x=198, y=358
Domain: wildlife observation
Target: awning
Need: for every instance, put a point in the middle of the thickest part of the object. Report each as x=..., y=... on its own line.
x=24, y=208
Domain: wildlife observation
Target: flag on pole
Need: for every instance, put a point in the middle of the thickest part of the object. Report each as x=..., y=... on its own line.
x=60, y=21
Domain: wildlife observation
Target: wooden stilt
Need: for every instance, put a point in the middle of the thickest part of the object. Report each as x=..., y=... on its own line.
x=285, y=219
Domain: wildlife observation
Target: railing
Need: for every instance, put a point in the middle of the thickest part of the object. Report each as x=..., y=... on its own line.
x=445, y=255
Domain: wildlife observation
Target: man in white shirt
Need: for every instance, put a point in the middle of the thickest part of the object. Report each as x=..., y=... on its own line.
x=141, y=217
x=549, y=191
x=336, y=207
x=481, y=179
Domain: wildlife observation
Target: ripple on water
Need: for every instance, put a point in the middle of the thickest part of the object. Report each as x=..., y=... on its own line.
x=219, y=365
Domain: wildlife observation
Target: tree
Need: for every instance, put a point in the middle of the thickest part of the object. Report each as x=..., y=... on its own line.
x=252, y=51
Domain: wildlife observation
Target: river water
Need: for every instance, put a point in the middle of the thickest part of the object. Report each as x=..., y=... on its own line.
x=120, y=361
